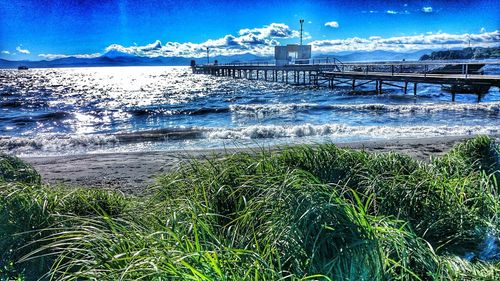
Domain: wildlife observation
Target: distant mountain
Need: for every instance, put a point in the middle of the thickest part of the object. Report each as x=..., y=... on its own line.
x=12, y=64
x=466, y=53
x=377, y=55
x=116, y=58
x=117, y=54
x=99, y=61
x=237, y=58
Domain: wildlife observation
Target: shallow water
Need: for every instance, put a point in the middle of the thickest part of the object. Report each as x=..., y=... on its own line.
x=88, y=110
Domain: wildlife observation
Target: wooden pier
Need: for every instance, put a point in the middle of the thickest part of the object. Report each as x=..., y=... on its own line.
x=456, y=76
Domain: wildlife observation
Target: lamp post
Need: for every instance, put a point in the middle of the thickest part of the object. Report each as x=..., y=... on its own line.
x=208, y=58
x=301, y=24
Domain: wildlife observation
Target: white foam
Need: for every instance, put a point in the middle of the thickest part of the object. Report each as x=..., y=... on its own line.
x=340, y=130
x=492, y=107
x=261, y=110
x=273, y=134
x=54, y=142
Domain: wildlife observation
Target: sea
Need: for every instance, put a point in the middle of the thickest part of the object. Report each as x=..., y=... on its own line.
x=61, y=111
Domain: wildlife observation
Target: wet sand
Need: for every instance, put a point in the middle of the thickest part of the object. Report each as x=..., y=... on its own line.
x=133, y=172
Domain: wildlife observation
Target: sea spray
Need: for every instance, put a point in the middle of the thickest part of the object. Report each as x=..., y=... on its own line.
x=256, y=109
x=179, y=138
x=80, y=110
x=341, y=130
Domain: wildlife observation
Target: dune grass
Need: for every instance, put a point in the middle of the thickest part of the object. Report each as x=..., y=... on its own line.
x=305, y=213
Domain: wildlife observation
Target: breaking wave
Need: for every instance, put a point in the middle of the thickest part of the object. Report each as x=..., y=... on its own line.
x=164, y=111
x=175, y=137
x=338, y=130
x=283, y=108
x=256, y=109
x=41, y=117
x=54, y=142
x=109, y=109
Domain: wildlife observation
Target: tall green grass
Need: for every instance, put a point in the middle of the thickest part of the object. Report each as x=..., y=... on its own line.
x=13, y=169
x=305, y=213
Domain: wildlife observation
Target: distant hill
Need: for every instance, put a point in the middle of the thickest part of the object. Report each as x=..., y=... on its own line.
x=377, y=55
x=464, y=54
x=115, y=58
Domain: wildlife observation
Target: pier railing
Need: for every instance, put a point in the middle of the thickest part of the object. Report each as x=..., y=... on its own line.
x=251, y=63
x=457, y=75
x=394, y=67
x=315, y=61
x=425, y=68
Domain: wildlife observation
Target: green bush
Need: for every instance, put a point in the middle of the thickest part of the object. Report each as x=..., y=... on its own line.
x=13, y=169
x=31, y=215
x=304, y=213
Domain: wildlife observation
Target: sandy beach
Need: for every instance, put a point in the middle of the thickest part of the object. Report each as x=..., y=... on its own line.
x=133, y=172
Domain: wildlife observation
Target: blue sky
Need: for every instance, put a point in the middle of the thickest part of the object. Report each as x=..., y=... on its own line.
x=49, y=29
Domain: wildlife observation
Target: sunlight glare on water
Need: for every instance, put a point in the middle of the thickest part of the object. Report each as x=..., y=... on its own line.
x=82, y=110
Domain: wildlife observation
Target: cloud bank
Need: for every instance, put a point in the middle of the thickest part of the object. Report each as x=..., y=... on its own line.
x=60, y=56
x=393, y=12
x=333, y=24
x=258, y=41
x=427, y=9
x=21, y=50
x=408, y=43
x=261, y=41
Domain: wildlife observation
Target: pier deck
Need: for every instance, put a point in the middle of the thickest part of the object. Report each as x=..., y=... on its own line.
x=456, y=75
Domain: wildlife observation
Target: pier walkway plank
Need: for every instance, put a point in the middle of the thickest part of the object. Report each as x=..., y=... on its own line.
x=459, y=77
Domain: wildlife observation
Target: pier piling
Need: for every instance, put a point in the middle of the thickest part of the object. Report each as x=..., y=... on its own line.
x=333, y=74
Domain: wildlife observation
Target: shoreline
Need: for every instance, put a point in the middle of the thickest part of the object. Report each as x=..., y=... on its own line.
x=133, y=172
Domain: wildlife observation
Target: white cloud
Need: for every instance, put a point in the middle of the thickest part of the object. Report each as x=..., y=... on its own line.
x=60, y=56
x=333, y=24
x=52, y=56
x=87, y=56
x=274, y=30
x=151, y=47
x=393, y=12
x=408, y=43
x=427, y=9
x=261, y=41
x=21, y=50
x=258, y=41
x=6, y=52
x=483, y=30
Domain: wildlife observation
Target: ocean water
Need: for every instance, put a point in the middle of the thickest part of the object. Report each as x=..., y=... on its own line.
x=109, y=109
